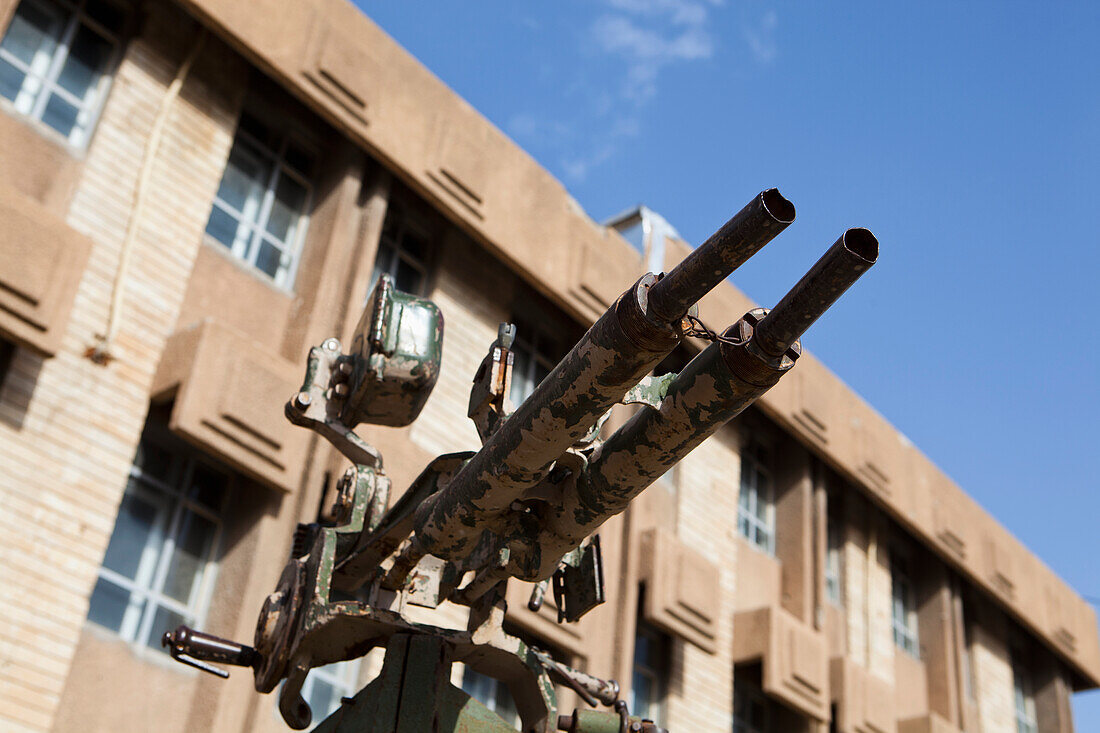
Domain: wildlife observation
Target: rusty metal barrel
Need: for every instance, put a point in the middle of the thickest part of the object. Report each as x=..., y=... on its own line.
x=616, y=352
x=727, y=249
x=716, y=386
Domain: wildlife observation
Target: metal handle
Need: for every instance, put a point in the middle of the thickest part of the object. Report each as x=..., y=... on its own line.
x=196, y=649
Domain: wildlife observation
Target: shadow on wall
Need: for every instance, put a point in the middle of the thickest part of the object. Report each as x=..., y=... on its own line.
x=19, y=369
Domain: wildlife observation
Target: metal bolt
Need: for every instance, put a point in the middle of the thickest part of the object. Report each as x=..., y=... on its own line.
x=331, y=344
x=340, y=390
x=345, y=368
x=302, y=400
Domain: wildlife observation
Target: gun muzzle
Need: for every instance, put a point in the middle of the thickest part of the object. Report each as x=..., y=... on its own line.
x=632, y=337
x=716, y=386
x=851, y=256
x=715, y=259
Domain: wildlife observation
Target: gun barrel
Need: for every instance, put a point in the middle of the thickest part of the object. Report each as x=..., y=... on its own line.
x=714, y=260
x=710, y=391
x=852, y=255
x=716, y=386
x=621, y=347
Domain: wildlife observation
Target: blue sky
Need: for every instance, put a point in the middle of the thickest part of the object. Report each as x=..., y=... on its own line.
x=965, y=135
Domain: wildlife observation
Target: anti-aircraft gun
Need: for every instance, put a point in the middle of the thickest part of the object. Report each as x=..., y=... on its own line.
x=526, y=505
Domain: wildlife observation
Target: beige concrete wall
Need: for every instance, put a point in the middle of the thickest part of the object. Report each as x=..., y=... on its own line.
x=702, y=681
x=68, y=442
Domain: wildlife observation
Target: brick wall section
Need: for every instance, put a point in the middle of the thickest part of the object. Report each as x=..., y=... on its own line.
x=867, y=599
x=701, y=689
x=69, y=428
x=993, y=676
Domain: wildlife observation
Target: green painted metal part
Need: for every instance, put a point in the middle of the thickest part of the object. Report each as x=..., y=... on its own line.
x=395, y=358
x=413, y=695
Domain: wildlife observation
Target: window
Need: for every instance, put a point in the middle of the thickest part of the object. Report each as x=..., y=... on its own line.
x=649, y=672
x=750, y=709
x=834, y=544
x=260, y=210
x=403, y=251
x=7, y=355
x=160, y=561
x=493, y=693
x=903, y=605
x=54, y=62
x=326, y=686
x=755, y=512
x=536, y=353
x=1024, y=696
x=967, y=659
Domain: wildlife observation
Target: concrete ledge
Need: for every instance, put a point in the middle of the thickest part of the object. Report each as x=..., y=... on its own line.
x=229, y=393
x=41, y=263
x=681, y=589
x=864, y=702
x=793, y=657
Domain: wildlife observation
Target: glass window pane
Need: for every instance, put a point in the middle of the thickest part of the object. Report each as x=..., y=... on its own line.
x=153, y=461
x=11, y=80
x=60, y=115
x=32, y=27
x=323, y=699
x=288, y=206
x=643, y=694
x=88, y=56
x=478, y=686
x=503, y=704
x=224, y=227
x=270, y=258
x=207, y=487
x=383, y=262
x=165, y=620
x=521, y=382
x=244, y=180
x=192, y=546
x=407, y=278
x=108, y=604
x=415, y=245
x=136, y=518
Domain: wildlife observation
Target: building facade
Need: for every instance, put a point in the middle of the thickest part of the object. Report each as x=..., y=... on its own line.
x=194, y=193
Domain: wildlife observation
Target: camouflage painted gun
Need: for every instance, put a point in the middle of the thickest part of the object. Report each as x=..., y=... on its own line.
x=526, y=505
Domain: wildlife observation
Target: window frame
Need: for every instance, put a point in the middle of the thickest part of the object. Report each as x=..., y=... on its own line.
x=1023, y=695
x=656, y=673
x=73, y=16
x=834, y=559
x=532, y=343
x=342, y=677
x=750, y=693
x=499, y=698
x=755, y=454
x=145, y=592
x=904, y=620
x=408, y=216
x=246, y=251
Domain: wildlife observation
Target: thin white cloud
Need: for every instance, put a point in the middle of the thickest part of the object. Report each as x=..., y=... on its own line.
x=760, y=38
x=639, y=39
x=646, y=46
